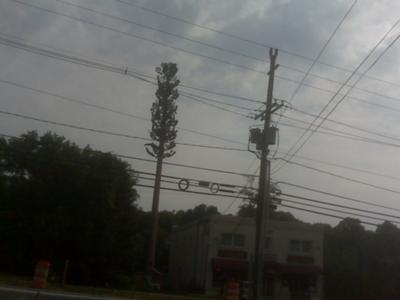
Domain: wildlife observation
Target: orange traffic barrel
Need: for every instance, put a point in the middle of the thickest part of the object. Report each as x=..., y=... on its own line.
x=41, y=273
x=232, y=291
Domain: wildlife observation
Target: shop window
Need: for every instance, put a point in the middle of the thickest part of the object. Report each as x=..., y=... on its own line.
x=267, y=243
x=226, y=239
x=301, y=246
x=294, y=246
x=229, y=239
x=238, y=240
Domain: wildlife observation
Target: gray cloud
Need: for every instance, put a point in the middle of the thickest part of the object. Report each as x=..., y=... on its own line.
x=299, y=26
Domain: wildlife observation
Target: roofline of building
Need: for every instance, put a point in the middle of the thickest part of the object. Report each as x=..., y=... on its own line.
x=215, y=218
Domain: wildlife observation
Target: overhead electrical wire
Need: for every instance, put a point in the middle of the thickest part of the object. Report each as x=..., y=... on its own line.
x=112, y=133
x=351, y=199
x=131, y=157
x=380, y=134
x=116, y=70
x=85, y=103
x=236, y=197
x=337, y=205
x=168, y=46
x=338, y=211
x=228, y=207
x=325, y=214
x=247, y=40
x=354, y=84
x=146, y=178
x=322, y=51
x=187, y=94
x=323, y=118
x=128, y=71
x=343, y=177
x=347, y=167
x=205, y=102
x=81, y=20
x=190, y=179
x=339, y=133
x=187, y=191
x=130, y=21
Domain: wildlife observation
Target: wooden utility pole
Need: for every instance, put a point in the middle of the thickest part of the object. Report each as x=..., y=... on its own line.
x=264, y=186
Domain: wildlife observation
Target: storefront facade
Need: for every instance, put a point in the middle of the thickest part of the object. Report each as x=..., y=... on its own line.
x=209, y=252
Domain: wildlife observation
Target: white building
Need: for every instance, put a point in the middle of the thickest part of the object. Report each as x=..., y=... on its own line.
x=205, y=253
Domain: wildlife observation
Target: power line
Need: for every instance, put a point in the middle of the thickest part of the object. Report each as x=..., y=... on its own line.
x=339, y=133
x=225, y=109
x=324, y=214
x=186, y=166
x=204, y=43
x=343, y=177
x=338, y=205
x=187, y=94
x=359, y=79
x=322, y=51
x=338, y=211
x=190, y=192
x=71, y=59
x=112, y=133
x=138, y=37
x=216, y=106
x=338, y=91
x=220, y=184
x=103, y=67
x=78, y=101
x=142, y=172
x=127, y=71
x=261, y=44
x=337, y=195
x=166, y=163
x=328, y=130
x=198, y=25
x=166, y=45
x=349, y=126
x=246, y=187
x=160, y=30
x=348, y=168
x=355, y=83
x=222, y=94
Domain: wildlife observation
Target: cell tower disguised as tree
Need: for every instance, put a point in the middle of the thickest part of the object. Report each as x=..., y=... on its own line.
x=163, y=133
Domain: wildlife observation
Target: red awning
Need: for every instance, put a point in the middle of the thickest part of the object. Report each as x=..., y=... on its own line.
x=229, y=264
x=301, y=269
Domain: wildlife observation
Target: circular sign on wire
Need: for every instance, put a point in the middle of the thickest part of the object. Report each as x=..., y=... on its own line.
x=214, y=188
x=183, y=184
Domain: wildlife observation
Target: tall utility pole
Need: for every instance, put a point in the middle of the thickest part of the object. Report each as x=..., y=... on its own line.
x=264, y=185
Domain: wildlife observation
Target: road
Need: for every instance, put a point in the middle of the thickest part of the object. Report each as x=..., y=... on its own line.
x=13, y=293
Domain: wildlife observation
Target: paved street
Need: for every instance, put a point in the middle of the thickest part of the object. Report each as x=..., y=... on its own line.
x=12, y=293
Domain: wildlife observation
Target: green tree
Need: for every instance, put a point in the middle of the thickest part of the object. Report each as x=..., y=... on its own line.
x=65, y=202
x=163, y=133
x=346, y=254
x=248, y=209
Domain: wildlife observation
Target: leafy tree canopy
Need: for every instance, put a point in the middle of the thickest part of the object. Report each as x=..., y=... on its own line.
x=64, y=202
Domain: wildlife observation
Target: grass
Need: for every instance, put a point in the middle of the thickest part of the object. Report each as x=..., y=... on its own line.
x=18, y=281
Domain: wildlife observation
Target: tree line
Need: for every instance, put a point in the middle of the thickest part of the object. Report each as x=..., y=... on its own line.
x=62, y=202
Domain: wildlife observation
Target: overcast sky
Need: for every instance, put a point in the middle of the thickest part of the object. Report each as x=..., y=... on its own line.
x=297, y=26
